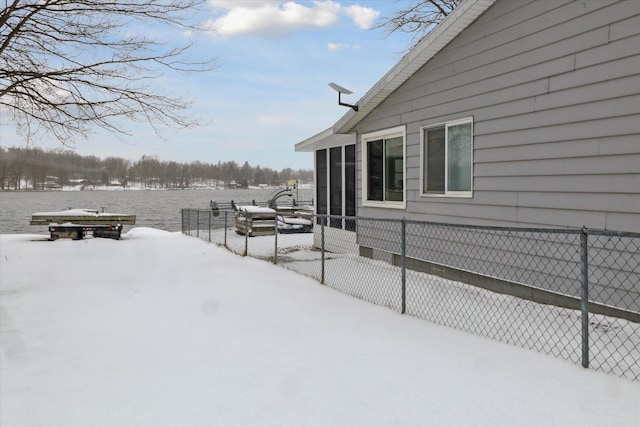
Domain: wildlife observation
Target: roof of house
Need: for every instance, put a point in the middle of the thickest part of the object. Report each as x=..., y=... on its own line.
x=448, y=29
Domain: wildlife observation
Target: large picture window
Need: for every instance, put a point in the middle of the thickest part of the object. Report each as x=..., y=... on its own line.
x=383, y=171
x=447, y=152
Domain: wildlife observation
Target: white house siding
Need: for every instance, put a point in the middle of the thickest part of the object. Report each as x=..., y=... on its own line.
x=554, y=91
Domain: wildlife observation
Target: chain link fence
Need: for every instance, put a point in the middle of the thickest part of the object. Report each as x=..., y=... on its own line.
x=573, y=294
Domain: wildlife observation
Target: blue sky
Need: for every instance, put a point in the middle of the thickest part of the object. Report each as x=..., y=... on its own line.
x=269, y=90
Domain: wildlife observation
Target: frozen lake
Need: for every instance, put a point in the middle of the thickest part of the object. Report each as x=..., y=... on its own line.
x=158, y=208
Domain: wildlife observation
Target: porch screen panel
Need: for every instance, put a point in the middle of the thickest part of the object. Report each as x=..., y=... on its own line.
x=321, y=182
x=335, y=185
x=350, y=185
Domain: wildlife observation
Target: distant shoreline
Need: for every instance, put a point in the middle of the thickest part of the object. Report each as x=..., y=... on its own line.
x=136, y=188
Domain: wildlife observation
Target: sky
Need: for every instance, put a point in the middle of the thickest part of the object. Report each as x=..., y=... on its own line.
x=269, y=90
x=230, y=340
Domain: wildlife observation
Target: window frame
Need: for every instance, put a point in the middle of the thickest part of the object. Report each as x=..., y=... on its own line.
x=395, y=132
x=423, y=159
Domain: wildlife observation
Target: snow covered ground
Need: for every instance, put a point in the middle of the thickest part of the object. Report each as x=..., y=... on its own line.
x=163, y=329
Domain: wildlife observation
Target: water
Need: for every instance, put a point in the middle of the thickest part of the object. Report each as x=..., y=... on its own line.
x=157, y=209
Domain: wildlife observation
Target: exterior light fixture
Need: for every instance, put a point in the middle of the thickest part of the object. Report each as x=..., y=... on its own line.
x=340, y=91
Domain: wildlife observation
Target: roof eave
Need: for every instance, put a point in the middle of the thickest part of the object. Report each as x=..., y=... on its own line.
x=325, y=139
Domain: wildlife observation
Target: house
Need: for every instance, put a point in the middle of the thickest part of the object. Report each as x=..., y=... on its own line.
x=508, y=113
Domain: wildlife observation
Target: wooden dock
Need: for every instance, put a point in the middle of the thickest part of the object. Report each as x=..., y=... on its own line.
x=78, y=223
x=81, y=217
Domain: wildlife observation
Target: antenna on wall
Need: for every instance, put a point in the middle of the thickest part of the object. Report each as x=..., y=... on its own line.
x=340, y=91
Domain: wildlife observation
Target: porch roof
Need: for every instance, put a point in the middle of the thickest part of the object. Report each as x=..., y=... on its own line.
x=326, y=139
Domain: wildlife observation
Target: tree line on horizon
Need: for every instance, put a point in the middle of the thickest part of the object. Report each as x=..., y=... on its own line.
x=37, y=169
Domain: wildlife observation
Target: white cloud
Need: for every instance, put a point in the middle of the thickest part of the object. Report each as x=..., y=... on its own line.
x=364, y=17
x=340, y=46
x=276, y=17
x=230, y=4
x=268, y=18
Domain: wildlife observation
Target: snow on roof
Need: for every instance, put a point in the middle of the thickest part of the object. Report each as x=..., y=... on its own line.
x=294, y=220
x=77, y=212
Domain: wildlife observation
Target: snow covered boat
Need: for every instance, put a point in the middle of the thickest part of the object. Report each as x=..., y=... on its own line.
x=255, y=221
x=262, y=221
x=295, y=221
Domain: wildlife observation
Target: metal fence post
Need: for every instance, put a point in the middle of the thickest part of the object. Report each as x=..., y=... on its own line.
x=275, y=233
x=246, y=234
x=225, y=229
x=198, y=223
x=209, y=226
x=584, y=261
x=404, y=265
x=322, y=222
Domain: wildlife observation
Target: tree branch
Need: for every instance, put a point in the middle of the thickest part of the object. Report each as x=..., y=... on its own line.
x=68, y=65
x=417, y=19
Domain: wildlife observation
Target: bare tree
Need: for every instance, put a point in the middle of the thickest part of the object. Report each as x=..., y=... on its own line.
x=69, y=65
x=419, y=18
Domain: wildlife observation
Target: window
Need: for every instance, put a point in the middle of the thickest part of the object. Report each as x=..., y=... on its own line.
x=447, y=152
x=383, y=171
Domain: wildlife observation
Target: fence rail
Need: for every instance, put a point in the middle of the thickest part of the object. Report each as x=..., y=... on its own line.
x=573, y=294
